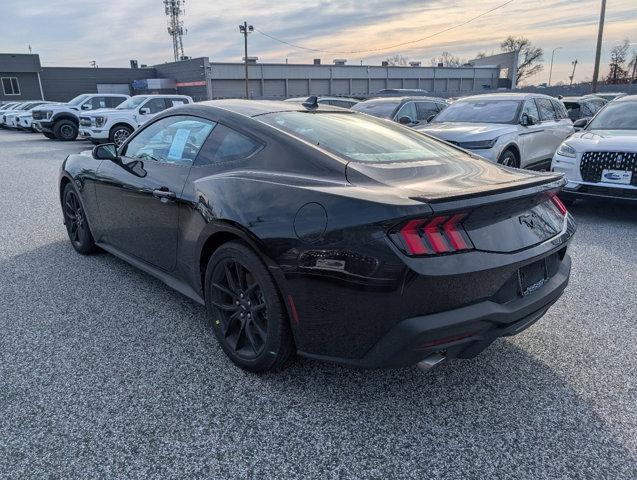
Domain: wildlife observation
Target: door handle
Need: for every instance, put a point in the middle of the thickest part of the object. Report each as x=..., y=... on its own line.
x=164, y=193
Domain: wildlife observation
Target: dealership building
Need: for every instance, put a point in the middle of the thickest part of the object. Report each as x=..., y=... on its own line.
x=23, y=78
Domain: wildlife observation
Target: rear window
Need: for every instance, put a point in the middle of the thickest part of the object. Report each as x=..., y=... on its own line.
x=357, y=137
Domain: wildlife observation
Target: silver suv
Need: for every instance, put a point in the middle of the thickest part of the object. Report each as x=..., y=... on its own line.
x=515, y=129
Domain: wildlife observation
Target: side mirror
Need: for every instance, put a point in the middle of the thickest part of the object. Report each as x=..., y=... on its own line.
x=581, y=123
x=527, y=120
x=405, y=120
x=430, y=118
x=106, y=151
x=144, y=111
x=86, y=106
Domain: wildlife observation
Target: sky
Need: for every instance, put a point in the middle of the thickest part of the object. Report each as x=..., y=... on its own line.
x=74, y=32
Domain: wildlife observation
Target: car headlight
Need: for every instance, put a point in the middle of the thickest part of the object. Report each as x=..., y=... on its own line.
x=478, y=145
x=100, y=121
x=567, y=151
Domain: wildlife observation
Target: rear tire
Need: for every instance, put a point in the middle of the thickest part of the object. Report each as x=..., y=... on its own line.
x=76, y=222
x=245, y=310
x=509, y=159
x=65, y=130
x=50, y=136
x=119, y=134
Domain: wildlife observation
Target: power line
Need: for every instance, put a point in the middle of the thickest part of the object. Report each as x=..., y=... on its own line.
x=389, y=47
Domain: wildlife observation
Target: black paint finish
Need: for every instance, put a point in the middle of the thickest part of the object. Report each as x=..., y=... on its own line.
x=321, y=226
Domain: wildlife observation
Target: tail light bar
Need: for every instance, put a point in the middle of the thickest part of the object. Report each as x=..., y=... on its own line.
x=558, y=203
x=433, y=236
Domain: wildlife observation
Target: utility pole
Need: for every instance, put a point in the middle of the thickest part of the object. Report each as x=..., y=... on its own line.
x=634, y=75
x=598, y=52
x=574, y=63
x=245, y=29
x=551, y=70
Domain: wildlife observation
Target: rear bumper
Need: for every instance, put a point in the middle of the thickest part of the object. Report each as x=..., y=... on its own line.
x=459, y=333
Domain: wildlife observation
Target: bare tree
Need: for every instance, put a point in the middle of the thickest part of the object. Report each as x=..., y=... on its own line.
x=447, y=60
x=481, y=55
x=529, y=56
x=397, y=61
x=618, y=72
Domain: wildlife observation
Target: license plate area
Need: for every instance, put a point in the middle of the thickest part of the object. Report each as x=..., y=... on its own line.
x=623, y=177
x=532, y=276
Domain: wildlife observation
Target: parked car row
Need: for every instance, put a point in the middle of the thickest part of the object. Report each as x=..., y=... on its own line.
x=93, y=116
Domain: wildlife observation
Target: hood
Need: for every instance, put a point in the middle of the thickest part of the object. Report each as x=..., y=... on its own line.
x=463, y=132
x=604, y=140
x=103, y=111
x=52, y=107
x=445, y=177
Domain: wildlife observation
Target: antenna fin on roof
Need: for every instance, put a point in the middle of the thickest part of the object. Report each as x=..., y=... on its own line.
x=311, y=103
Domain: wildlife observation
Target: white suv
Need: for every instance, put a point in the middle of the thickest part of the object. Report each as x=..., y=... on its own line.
x=601, y=159
x=515, y=129
x=115, y=125
x=60, y=121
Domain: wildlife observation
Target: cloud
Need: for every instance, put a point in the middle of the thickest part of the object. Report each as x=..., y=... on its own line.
x=74, y=32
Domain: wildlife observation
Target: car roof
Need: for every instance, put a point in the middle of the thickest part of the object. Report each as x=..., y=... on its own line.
x=574, y=99
x=404, y=99
x=252, y=108
x=506, y=96
x=626, y=98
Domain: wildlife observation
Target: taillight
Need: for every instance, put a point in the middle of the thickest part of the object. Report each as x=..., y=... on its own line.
x=433, y=236
x=558, y=203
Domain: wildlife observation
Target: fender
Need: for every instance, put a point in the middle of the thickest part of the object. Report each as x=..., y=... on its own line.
x=64, y=116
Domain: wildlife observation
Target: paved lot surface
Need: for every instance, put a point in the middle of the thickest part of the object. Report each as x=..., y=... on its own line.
x=105, y=372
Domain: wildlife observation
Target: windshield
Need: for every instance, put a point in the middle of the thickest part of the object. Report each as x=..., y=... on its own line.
x=359, y=138
x=480, y=111
x=131, y=103
x=616, y=116
x=380, y=109
x=77, y=100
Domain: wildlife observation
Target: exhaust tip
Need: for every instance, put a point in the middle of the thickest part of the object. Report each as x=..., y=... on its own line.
x=431, y=361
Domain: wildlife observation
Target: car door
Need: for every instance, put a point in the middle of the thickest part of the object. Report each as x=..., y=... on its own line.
x=565, y=125
x=149, y=109
x=408, y=109
x=531, y=137
x=551, y=131
x=138, y=196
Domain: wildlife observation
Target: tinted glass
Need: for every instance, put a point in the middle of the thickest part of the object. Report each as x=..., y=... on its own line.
x=480, y=111
x=574, y=110
x=131, y=103
x=425, y=109
x=97, y=102
x=155, y=105
x=175, y=140
x=381, y=109
x=226, y=145
x=616, y=116
x=112, y=102
x=530, y=108
x=407, y=110
x=559, y=109
x=358, y=137
x=547, y=112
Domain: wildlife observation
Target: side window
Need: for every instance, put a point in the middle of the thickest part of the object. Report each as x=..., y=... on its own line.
x=97, y=102
x=559, y=109
x=112, y=102
x=530, y=108
x=425, y=109
x=174, y=140
x=547, y=112
x=155, y=105
x=407, y=110
x=226, y=145
x=442, y=106
x=588, y=109
x=175, y=102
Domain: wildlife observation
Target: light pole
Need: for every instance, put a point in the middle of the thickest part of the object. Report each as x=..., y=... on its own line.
x=551, y=69
x=245, y=29
x=598, y=52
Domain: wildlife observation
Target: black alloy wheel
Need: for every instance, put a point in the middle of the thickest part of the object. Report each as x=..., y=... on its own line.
x=246, y=313
x=65, y=130
x=76, y=223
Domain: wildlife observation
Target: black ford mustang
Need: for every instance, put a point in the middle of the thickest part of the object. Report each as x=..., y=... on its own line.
x=322, y=231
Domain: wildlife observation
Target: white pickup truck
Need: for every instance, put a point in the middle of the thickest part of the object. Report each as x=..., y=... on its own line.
x=115, y=125
x=60, y=121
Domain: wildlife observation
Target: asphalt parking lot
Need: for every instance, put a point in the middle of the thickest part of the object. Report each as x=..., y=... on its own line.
x=105, y=372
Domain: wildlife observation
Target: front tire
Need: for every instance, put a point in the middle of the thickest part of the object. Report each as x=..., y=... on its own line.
x=509, y=159
x=245, y=310
x=76, y=223
x=119, y=134
x=65, y=130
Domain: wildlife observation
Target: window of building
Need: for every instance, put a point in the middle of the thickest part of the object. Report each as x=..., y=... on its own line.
x=10, y=86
